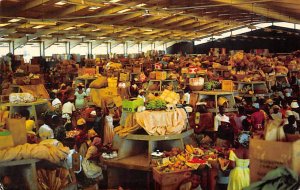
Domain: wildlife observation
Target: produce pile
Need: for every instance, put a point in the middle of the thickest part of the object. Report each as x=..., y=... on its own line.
x=191, y=158
x=210, y=85
x=53, y=179
x=156, y=104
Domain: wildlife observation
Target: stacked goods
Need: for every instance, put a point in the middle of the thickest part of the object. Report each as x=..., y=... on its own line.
x=184, y=70
x=156, y=104
x=157, y=66
x=161, y=75
x=281, y=70
x=86, y=71
x=170, y=97
x=191, y=158
x=17, y=98
x=152, y=75
x=196, y=84
x=193, y=70
x=23, y=80
x=53, y=179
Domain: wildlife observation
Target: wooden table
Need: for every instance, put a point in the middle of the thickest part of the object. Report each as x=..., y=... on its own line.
x=215, y=94
x=134, y=153
x=32, y=107
x=27, y=168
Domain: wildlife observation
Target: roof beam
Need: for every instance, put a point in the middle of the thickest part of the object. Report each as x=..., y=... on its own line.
x=22, y=41
x=126, y=17
x=67, y=11
x=48, y=43
x=259, y=9
x=29, y=5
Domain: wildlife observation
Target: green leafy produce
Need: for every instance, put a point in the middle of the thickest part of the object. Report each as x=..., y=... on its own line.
x=156, y=104
x=212, y=85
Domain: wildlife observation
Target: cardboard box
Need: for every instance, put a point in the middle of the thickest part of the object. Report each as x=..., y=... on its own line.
x=161, y=75
x=124, y=77
x=268, y=155
x=170, y=180
x=17, y=130
x=227, y=85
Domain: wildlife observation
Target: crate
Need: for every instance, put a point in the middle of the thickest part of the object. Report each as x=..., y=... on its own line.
x=161, y=75
x=263, y=158
x=227, y=85
x=170, y=180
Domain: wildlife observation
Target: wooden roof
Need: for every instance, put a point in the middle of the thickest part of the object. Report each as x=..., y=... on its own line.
x=128, y=20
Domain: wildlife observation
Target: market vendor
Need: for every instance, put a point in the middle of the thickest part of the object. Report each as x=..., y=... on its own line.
x=276, y=114
x=68, y=107
x=218, y=118
x=225, y=134
x=29, y=123
x=45, y=131
x=56, y=102
x=82, y=138
x=142, y=95
x=258, y=117
x=289, y=128
x=80, y=98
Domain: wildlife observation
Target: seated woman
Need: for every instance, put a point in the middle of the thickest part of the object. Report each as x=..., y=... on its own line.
x=93, y=151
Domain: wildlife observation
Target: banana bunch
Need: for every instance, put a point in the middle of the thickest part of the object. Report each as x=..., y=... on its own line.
x=124, y=131
x=156, y=104
x=53, y=179
x=191, y=150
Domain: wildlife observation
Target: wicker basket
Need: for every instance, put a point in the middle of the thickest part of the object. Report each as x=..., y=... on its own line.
x=196, y=88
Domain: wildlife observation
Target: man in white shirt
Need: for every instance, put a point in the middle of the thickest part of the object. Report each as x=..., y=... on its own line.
x=68, y=107
x=220, y=117
x=45, y=131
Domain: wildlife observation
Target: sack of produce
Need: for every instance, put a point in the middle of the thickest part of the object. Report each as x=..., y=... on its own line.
x=21, y=98
x=99, y=83
x=281, y=69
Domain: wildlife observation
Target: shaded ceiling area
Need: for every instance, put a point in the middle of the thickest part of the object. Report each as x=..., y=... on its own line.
x=276, y=39
x=140, y=20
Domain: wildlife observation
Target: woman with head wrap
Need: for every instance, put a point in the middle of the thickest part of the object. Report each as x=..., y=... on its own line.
x=93, y=151
x=239, y=177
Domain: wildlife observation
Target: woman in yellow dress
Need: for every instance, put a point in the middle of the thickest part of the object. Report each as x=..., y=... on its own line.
x=239, y=177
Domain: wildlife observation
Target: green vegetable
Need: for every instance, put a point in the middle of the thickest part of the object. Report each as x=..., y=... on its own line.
x=156, y=104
